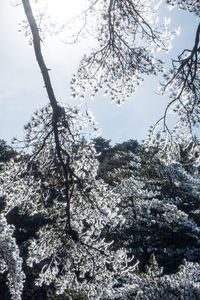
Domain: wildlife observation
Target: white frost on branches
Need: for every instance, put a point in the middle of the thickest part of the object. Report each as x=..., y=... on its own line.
x=10, y=260
x=127, y=36
x=71, y=253
x=184, y=285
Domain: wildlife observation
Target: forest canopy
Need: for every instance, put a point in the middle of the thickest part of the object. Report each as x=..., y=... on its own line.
x=80, y=218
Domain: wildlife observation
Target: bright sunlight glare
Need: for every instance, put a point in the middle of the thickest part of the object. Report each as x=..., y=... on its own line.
x=63, y=10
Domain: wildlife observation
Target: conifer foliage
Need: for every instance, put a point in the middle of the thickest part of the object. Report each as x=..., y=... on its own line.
x=101, y=224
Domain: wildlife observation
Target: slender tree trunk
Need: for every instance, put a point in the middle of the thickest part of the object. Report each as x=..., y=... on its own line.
x=57, y=110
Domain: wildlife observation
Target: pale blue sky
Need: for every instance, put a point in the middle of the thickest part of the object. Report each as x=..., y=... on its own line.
x=22, y=92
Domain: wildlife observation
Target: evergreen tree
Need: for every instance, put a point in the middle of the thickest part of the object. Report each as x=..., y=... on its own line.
x=58, y=179
x=160, y=205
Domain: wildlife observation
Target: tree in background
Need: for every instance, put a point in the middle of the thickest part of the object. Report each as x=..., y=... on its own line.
x=160, y=204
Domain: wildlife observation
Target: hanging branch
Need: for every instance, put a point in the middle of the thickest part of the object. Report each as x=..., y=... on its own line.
x=182, y=84
x=58, y=112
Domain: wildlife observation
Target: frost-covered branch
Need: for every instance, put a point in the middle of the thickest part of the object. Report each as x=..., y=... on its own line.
x=182, y=85
x=10, y=259
x=126, y=34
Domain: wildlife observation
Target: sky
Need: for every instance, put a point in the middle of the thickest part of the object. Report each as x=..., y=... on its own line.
x=22, y=90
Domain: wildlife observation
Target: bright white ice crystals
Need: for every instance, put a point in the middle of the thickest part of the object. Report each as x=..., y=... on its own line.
x=10, y=259
x=81, y=262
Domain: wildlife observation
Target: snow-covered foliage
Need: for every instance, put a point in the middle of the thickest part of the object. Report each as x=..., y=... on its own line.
x=181, y=83
x=159, y=203
x=184, y=285
x=10, y=260
x=149, y=209
x=188, y=5
x=69, y=249
x=127, y=35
